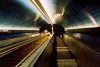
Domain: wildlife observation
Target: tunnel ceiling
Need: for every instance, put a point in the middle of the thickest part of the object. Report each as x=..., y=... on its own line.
x=71, y=14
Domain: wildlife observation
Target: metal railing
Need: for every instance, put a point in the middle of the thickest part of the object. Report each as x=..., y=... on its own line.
x=32, y=57
x=6, y=50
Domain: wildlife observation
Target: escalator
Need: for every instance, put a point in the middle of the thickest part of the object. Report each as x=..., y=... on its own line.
x=64, y=56
x=56, y=54
x=12, y=59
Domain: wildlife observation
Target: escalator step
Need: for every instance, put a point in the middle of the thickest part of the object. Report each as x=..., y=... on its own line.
x=66, y=60
x=62, y=49
x=67, y=64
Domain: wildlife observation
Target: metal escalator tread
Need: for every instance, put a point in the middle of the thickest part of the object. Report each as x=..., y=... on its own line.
x=59, y=55
x=65, y=60
x=64, y=56
x=67, y=64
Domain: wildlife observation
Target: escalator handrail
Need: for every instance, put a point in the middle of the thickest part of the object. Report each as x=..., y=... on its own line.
x=20, y=63
x=16, y=46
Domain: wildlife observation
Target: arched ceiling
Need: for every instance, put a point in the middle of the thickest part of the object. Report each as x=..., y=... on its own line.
x=17, y=15
x=71, y=14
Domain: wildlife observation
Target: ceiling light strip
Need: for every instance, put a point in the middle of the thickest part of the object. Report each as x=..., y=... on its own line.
x=35, y=4
x=38, y=5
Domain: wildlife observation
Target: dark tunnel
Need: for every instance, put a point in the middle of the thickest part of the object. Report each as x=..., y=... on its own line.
x=78, y=21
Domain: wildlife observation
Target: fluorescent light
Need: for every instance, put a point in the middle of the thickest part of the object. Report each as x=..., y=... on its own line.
x=80, y=26
x=39, y=6
x=49, y=8
x=17, y=28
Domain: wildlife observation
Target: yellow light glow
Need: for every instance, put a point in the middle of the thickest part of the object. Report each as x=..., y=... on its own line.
x=77, y=35
x=36, y=18
x=17, y=28
x=58, y=16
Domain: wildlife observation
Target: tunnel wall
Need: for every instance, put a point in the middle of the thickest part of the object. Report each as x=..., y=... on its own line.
x=10, y=41
x=85, y=56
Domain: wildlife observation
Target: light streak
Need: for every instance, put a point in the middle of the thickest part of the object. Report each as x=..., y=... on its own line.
x=36, y=18
x=80, y=26
x=17, y=28
x=49, y=8
x=92, y=19
x=52, y=30
x=39, y=6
